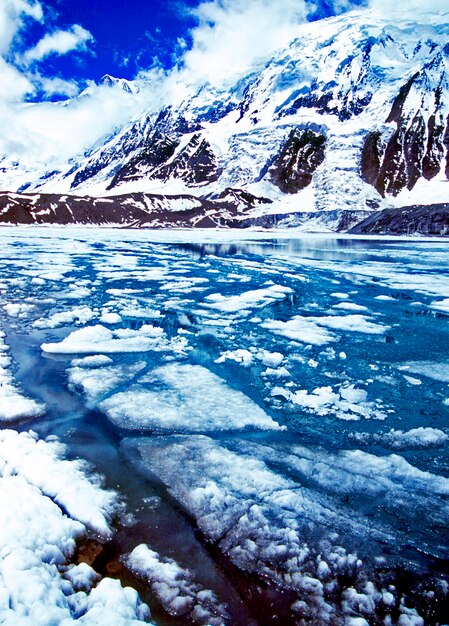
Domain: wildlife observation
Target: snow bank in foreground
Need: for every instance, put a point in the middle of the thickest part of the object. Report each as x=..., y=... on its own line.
x=13, y=405
x=187, y=398
x=175, y=587
x=46, y=504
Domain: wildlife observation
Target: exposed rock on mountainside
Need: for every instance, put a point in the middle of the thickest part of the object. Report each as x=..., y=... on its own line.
x=421, y=220
x=418, y=145
x=301, y=154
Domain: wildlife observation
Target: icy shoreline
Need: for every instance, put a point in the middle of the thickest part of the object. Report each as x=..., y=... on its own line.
x=224, y=235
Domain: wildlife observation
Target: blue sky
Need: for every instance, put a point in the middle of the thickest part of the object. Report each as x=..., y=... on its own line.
x=127, y=34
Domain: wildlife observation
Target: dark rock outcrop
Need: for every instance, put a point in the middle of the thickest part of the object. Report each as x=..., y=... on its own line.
x=301, y=154
x=417, y=146
x=127, y=210
x=195, y=163
x=412, y=220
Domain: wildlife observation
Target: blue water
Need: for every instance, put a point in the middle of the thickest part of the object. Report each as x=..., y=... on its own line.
x=409, y=546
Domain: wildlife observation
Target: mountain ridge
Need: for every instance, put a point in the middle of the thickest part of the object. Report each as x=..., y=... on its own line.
x=350, y=112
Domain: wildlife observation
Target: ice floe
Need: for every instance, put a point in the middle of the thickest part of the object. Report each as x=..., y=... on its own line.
x=299, y=328
x=14, y=405
x=79, y=316
x=274, y=523
x=247, y=301
x=99, y=339
x=176, y=588
x=186, y=398
x=429, y=369
x=346, y=402
x=422, y=437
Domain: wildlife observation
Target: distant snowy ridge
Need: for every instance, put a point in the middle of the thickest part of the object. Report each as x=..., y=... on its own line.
x=353, y=115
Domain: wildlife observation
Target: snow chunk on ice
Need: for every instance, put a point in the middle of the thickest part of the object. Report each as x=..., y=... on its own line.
x=244, y=357
x=422, y=437
x=248, y=300
x=175, y=587
x=347, y=402
x=340, y=296
x=100, y=339
x=186, y=398
x=80, y=316
x=349, y=306
x=299, y=328
x=110, y=318
x=384, y=298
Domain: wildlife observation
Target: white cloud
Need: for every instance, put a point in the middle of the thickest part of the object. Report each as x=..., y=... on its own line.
x=47, y=134
x=14, y=86
x=13, y=15
x=56, y=85
x=60, y=42
x=232, y=35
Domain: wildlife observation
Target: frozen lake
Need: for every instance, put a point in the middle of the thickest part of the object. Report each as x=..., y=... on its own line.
x=274, y=413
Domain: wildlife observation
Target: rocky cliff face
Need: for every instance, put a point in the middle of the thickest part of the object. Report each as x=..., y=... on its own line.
x=298, y=159
x=417, y=147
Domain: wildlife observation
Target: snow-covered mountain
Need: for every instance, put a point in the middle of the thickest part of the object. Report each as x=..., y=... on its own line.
x=352, y=115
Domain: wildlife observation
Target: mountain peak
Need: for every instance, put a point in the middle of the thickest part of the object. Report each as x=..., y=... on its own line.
x=111, y=81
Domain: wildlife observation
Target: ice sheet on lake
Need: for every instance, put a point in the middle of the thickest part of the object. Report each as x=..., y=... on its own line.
x=96, y=381
x=430, y=369
x=47, y=503
x=278, y=522
x=13, y=404
x=176, y=588
x=186, y=398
